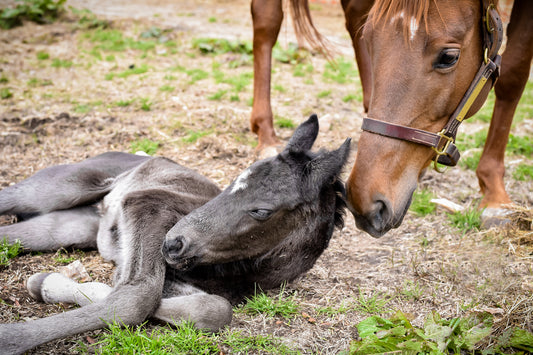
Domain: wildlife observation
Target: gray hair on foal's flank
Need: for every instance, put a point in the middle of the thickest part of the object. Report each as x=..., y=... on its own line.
x=184, y=251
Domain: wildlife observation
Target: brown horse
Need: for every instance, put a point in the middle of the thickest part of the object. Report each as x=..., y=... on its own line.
x=417, y=59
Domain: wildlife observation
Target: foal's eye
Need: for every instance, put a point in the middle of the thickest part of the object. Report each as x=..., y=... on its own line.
x=260, y=214
x=447, y=58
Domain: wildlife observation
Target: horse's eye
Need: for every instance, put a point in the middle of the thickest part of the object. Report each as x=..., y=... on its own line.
x=260, y=214
x=447, y=58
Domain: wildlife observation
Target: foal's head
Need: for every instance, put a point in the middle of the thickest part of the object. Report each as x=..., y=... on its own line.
x=424, y=55
x=269, y=202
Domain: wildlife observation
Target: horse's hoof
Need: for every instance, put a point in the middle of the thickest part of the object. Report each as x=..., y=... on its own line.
x=496, y=217
x=34, y=285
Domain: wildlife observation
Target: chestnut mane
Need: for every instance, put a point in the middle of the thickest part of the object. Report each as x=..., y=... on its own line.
x=385, y=10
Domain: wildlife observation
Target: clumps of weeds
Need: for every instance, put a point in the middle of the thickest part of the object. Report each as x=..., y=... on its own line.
x=437, y=335
x=9, y=251
x=146, y=145
x=276, y=306
x=39, y=11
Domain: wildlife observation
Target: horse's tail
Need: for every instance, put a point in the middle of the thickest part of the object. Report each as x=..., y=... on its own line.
x=305, y=28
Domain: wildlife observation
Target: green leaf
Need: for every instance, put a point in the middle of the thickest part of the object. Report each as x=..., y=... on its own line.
x=521, y=339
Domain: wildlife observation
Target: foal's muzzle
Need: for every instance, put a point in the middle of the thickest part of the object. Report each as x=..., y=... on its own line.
x=174, y=252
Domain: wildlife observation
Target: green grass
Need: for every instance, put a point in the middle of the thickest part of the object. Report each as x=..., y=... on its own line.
x=61, y=63
x=4, y=79
x=5, y=93
x=520, y=145
x=193, y=136
x=256, y=344
x=185, y=339
x=146, y=145
x=9, y=251
x=372, y=304
x=523, y=172
x=128, y=72
x=352, y=97
x=220, y=46
x=123, y=103
x=421, y=205
x=35, y=82
x=261, y=303
x=167, y=88
x=323, y=94
x=41, y=55
x=283, y=122
x=82, y=108
x=238, y=82
x=291, y=54
x=279, y=88
x=110, y=40
x=471, y=160
x=63, y=257
x=342, y=71
x=411, y=290
x=218, y=95
x=466, y=220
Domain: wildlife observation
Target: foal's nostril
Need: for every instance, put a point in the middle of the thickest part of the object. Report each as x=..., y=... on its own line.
x=173, y=247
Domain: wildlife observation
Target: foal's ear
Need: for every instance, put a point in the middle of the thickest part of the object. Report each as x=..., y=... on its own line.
x=326, y=167
x=304, y=136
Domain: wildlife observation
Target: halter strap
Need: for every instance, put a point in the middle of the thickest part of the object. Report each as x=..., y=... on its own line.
x=443, y=143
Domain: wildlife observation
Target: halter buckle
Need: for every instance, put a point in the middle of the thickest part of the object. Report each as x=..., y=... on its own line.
x=444, y=149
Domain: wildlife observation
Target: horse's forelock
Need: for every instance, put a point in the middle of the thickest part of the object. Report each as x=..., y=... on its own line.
x=412, y=12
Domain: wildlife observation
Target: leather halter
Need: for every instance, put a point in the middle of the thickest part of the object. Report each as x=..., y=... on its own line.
x=443, y=143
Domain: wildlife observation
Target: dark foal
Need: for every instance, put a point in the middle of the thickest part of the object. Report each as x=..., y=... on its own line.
x=183, y=249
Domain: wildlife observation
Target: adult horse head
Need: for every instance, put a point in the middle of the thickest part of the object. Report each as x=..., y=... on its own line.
x=275, y=199
x=425, y=54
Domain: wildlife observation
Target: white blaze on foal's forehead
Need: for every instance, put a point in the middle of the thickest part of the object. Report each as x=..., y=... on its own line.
x=242, y=181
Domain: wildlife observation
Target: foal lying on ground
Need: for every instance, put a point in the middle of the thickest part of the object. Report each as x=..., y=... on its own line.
x=183, y=250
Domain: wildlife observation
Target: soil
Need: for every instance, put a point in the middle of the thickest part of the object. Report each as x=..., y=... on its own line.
x=61, y=114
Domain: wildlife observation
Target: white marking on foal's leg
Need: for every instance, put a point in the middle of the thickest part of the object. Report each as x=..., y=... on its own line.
x=241, y=183
x=55, y=287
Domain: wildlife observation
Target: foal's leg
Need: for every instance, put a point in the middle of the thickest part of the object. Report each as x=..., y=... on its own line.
x=76, y=228
x=65, y=186
x=355, y=12
x=205, y=311
x=138, y=292
x=516, y=62
x=267, y=17
x=56, y=287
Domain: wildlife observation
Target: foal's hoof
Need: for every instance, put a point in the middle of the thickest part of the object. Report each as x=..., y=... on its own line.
x=34, y=285
x=496, y=217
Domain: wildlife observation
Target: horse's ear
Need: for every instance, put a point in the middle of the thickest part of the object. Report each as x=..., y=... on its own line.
x=326, y=167
x=304, y=136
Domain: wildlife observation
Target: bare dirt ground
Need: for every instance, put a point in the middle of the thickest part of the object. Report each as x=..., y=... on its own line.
x=60, y=114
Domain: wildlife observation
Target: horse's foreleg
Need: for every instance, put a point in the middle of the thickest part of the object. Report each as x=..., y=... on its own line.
x=355, y=12
x=76, y=228
x=516, y=62
x=267, y=17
